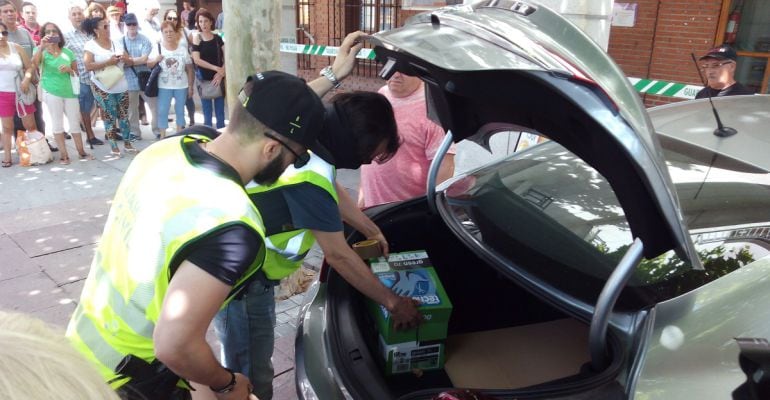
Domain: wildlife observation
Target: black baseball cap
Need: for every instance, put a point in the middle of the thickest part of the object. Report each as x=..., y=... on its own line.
x=287, y=105
x=723, y=52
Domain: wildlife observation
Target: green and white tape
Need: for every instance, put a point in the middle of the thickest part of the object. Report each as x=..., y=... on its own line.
x=321, y=50
x=663, y=88
x=648, y=86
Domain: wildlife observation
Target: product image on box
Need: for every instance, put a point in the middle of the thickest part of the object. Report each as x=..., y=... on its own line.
x=411, y=274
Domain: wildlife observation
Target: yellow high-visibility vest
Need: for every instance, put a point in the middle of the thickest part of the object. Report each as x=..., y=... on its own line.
x=164, y=204
x=286, y=250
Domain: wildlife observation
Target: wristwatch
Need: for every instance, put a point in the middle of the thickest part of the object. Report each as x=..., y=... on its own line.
x=227, y=388
x=329, y=74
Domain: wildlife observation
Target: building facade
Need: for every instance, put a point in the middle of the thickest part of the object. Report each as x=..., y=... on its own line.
x=658, y=45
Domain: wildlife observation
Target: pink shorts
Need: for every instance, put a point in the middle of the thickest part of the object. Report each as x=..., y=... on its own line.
x=8, y=105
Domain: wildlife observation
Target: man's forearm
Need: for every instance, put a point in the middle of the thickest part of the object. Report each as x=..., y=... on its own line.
x=194, y=360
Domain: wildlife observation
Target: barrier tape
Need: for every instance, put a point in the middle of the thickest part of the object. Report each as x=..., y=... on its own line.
x=648, y=86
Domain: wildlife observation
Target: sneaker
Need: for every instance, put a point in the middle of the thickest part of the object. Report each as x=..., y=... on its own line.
x=95, y=142
x=67, y=135
x=133, y=137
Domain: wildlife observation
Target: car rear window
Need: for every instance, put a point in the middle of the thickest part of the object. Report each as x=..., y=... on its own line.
x=555, y=217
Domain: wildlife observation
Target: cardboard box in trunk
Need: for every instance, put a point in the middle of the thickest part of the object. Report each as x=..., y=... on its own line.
x=410, y=274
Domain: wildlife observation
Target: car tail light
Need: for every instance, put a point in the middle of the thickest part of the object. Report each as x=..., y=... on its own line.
x=323, y=274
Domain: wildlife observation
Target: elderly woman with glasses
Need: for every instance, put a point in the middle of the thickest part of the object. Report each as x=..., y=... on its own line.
x=184, y=40
x=175, y=79
x=57, y=66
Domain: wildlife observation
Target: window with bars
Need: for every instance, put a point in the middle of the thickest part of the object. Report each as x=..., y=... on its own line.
x=369, y=16
x=303, y=32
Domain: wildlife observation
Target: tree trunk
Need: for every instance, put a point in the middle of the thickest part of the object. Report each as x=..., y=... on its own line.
x=252, y=31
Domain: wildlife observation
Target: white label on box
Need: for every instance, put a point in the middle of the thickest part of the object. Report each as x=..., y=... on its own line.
x=410, y=355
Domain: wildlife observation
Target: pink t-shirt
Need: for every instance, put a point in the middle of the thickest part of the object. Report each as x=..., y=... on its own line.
x=404, y=176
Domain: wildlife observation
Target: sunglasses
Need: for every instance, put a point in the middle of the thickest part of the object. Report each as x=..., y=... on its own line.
x=131, y=24
x=300, y=160
x=171, y=18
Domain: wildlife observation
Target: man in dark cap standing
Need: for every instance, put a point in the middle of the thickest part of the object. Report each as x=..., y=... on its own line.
x=718, y=67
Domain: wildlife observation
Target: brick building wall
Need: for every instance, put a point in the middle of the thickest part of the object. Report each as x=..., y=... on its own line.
x=660, y=43
x=657, y=47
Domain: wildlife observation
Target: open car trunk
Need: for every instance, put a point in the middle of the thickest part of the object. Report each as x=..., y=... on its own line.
x=500, y=337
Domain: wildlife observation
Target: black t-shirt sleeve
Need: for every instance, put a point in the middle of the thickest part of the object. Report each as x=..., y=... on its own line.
x=227, y=253
x=313, y=208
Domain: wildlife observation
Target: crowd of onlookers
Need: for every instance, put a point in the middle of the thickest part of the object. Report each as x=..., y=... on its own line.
x=98, y=68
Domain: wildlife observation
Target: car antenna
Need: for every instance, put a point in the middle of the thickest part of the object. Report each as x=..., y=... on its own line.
x=721, y=131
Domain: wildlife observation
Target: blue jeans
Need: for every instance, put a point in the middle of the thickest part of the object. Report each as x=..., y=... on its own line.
x=164, y=104
x=219, y=110
x=246, y=329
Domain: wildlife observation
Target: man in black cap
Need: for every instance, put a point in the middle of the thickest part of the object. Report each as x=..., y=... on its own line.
x=718, y=67
x=183, y=238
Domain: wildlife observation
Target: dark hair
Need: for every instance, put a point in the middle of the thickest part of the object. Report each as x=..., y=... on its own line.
x=58, y=31
x=370, y=116
x=178, y=27
x=202, y=12
x=89, y=25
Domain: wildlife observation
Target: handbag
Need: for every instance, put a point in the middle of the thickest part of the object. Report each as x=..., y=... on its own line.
x=206, y=88
x=75, y=82
x=151, y=87
x=109, y=76
x=28, y=97
x=32, y=149
x=141, y=76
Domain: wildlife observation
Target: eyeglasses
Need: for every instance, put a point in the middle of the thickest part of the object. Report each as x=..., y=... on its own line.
x=131, y=24
x=704, y=67
x=4, y=33
x=299, y=159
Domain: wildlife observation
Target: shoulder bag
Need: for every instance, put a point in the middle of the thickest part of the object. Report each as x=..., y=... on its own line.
x=28, y=97
x=151, y=87
x=142, y=76
x=110, y=75
x=207, y=89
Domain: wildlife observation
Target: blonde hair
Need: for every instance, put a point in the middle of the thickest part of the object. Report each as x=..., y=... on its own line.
x=38, y=362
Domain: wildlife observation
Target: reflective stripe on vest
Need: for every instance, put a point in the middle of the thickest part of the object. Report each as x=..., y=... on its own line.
x=286, y=250
x=163, y=205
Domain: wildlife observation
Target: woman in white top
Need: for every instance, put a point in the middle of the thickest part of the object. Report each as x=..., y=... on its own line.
x=100, y=53
x=184, y=35
x=176, y=76
x=13, y=62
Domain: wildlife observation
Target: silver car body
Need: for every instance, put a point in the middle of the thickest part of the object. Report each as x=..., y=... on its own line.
x=524, y=40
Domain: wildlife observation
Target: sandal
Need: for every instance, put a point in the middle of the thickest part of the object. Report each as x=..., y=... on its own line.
x=64, y=161
x=86, y=156
x=130, y=148
x=7, y=164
